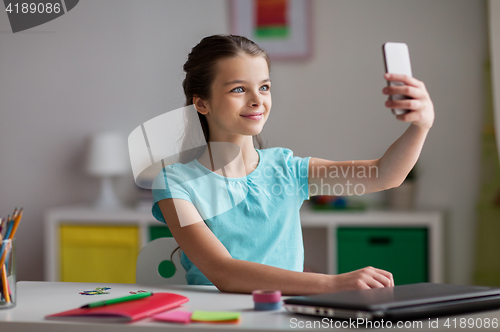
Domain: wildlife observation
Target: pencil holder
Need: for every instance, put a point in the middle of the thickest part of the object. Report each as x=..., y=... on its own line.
x=8, y=274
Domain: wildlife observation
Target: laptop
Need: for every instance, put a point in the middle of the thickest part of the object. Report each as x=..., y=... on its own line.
x=402, y=302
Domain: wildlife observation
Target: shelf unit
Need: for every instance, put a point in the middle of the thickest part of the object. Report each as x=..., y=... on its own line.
x=330, y=222
x=327, y=222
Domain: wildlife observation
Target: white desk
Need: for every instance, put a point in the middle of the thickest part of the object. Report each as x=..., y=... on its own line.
x=38, y=299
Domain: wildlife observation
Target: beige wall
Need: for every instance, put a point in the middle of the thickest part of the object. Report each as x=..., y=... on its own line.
x=114, y=64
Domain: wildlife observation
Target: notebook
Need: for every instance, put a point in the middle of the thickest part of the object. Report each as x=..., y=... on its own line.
x=125, y=311
x=421, y=300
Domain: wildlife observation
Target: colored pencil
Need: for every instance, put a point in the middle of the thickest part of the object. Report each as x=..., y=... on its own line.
x=15, y=223
x=5, y=284
x=6, y=236
x=8, y=225
x=2, y=248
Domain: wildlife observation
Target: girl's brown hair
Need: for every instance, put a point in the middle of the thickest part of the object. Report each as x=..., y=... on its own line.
x=201, y=67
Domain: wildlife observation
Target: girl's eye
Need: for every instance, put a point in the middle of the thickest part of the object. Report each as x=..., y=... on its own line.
x=238, y=89
x=265, y=87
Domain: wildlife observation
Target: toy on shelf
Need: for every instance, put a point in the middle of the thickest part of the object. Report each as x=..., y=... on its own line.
x=335, y=203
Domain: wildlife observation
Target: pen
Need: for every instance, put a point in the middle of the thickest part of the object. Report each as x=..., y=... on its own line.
x=127, y=298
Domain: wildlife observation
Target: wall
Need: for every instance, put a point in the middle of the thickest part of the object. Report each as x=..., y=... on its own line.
x=104, y=65
x=335, y=101
x=114, y=64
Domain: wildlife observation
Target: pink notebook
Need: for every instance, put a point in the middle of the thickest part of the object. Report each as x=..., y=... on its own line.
x=125, y=311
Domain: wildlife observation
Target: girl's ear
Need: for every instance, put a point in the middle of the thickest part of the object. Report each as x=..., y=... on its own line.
x=200, y=105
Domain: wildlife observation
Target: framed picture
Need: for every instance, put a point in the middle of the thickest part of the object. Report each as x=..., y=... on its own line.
x=281, y=27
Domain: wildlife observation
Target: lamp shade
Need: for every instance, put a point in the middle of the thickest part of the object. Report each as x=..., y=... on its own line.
x=108, y=154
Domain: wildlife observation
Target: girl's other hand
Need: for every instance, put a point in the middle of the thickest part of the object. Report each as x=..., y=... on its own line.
x=365, y=278
x=420, y=105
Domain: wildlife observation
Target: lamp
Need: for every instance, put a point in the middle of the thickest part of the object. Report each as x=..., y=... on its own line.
x=108, y=157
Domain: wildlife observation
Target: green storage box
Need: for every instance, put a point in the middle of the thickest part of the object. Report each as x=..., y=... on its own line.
x=401, y=251
x=156, y=232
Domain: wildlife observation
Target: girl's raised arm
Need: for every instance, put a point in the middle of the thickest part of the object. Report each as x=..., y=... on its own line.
x=365, y=176
x=205, y=251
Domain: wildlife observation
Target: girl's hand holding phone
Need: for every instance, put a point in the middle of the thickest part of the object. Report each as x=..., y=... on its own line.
x=419, y=104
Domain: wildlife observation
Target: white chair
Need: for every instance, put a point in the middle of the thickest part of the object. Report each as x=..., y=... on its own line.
x=154, y=266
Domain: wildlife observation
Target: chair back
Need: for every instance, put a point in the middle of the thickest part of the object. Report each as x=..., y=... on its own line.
x=154, y=266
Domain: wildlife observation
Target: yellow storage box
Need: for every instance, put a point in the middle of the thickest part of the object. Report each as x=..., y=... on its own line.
x=98, y=253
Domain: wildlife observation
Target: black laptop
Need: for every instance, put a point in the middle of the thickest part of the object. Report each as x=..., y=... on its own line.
x=404, y=302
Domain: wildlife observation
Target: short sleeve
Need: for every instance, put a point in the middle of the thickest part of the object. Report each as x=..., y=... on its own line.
x=169, y=183
x=299, y=168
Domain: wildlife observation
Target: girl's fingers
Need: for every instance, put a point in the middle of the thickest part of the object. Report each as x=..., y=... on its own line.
x=374, y=282
x=406, y=90
x=387, y=275
x=409, y=117
x=405, y=79
x=384, y=280
x=364, y=285
x=406, y=104
x=377, y=278
x=419, y=102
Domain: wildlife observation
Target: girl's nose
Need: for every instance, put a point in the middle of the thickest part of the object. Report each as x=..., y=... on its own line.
x=255, y=100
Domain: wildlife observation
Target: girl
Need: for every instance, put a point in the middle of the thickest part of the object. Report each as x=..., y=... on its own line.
x=255, y=241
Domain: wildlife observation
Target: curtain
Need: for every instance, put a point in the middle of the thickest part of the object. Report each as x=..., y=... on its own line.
x=487, y=262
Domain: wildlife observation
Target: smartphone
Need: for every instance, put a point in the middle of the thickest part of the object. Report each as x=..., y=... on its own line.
x=397, y=61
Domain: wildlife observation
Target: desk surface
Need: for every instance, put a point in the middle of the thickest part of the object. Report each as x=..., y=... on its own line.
x=38, y=299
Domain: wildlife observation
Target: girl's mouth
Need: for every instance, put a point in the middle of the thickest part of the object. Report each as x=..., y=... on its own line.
x=253, y=117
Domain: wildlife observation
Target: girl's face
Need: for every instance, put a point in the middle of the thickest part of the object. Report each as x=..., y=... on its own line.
x=240, y=99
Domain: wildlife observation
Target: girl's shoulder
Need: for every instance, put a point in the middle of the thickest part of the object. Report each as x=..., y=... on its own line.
x=284, y=158
x=177, y=173
x=182, y=167
x=276, y=151
x=277, y=154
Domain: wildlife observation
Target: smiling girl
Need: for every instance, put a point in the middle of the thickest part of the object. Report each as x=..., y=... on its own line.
x=257, y=242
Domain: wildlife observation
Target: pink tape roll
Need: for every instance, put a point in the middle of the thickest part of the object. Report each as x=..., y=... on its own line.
x=266, y=295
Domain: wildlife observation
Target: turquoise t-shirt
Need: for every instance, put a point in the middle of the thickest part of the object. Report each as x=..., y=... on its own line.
x=255, y=217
